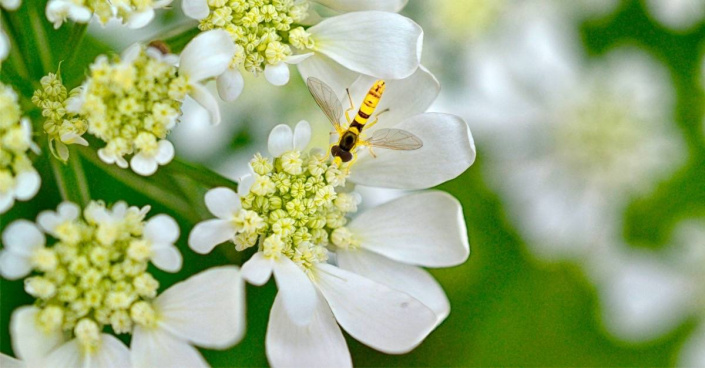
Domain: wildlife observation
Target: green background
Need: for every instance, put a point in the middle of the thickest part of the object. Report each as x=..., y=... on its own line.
x=507, y=308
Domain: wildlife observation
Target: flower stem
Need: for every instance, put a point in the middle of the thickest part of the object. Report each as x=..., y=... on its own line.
x=40, y=37
x=71, y=180
x=200, y=174
x=74, y=42
x=15, y=56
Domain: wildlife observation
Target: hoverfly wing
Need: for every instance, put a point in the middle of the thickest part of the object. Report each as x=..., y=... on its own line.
x=395, y=139
x=326, y=100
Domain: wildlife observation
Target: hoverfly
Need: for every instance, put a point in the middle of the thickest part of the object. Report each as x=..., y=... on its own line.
x=349, y=137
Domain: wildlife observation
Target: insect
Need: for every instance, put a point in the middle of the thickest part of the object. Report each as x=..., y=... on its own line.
x=349, y=136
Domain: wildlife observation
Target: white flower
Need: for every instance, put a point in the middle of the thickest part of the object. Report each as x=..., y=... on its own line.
x=336, y=49
x=568, y=151
x=206, y=310
x=677, y=14
x=647, y=294
x=22, y=240
x=132, y=14
x=146, y=163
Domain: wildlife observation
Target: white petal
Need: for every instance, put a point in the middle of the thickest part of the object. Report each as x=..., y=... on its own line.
x=162, y=229
x=196, y=9
x=140, y=19
x=277, y=75
x=230, y=84
x=143, y=164
x=207, y=234
x=131, y=53
x=448, y=150
x=296, y=290
x=10, y=362
x=166, y=257
x=431, y=232
x=243, y=187
x=357, y=5
x=385, y=319
x=165, y=152
x=30, y=343
x=14, y=266
x=11, y=4
x=409, y=279
x=222, y=202
x=157, y=348
x=257, y=269
x=295, y=59
x=692, y=354
x=281, y=139
x=359, y=42
x=207, y=55
x=319, y=344
x=207, y=309
x=403, y=98
x=302, y=135
x=112, y=353
x=80, y=14
x=22, y=237
x=27, y=184
x=4, y=45
x=6, y=201
x=333, y=74
x=204, y=98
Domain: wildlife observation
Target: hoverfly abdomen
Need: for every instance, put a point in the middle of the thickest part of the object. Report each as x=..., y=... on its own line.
x=344, y=156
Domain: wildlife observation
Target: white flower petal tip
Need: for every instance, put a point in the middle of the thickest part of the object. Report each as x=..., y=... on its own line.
x=158, y=348
x=27, y=184
x=318, y=344
x=20, y=239
x=280, y=140
x=448, y=150
x=222, y=202
x=385, y=319
x=207, y=309
x=29, y=342
x=163, y=231
x=356, y=41
x=358, y=5
x=258, y=269
x=204, y=98
x=302, y=135
x=196, y=9
x=207, y=234
x=230, y=85
x=431, y=234
x=278, y=74
x=140, y=19
x=208, y=55
x=406, y=278
x=296, y=290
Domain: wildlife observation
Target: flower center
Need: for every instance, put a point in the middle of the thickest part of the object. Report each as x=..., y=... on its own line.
x=296, y=207
x=91, y=277
x=263, y=30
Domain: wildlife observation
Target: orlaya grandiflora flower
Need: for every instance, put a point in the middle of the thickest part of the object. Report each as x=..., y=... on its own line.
x=370, y=40
x=136, y=76
x=132, y=14
x=96, y=275
x=565, y=156
x=293, y=207
x=645, y=294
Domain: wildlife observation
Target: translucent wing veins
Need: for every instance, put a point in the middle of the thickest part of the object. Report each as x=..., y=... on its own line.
x=327, y=100
x=395, y=139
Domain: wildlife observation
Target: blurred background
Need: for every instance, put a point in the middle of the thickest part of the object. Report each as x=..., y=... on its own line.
x=584, y=208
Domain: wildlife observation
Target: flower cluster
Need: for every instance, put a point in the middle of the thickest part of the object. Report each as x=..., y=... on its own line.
x=62, y=126
x=18, y=178
x=131, y=104
x=96, y=273
x=133, y=13
x=264, y=30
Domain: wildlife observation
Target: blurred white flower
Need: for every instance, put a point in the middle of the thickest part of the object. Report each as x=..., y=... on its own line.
x=646, y=294
x=568, y=142
x=6, y=5
x=374, y=41
x=679, y=15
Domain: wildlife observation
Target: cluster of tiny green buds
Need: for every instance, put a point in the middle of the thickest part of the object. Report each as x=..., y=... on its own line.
x=95, y=274
x=296, y=206
x=263, y=30
x=132, y=103
x=18, y=178
x=61, y=126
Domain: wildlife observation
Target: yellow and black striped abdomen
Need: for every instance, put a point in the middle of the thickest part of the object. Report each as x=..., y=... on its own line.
x=367, y=107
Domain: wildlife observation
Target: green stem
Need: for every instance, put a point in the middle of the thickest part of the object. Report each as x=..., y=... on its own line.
x=200, y=174
x=15, y=50
x=177, y=37
x=71, y=180
x=143, y=185
x=78, y=31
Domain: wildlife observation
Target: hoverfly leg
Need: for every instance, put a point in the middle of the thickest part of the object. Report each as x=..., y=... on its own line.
x=369, y=147
x=376, y=116
x=352, y=106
